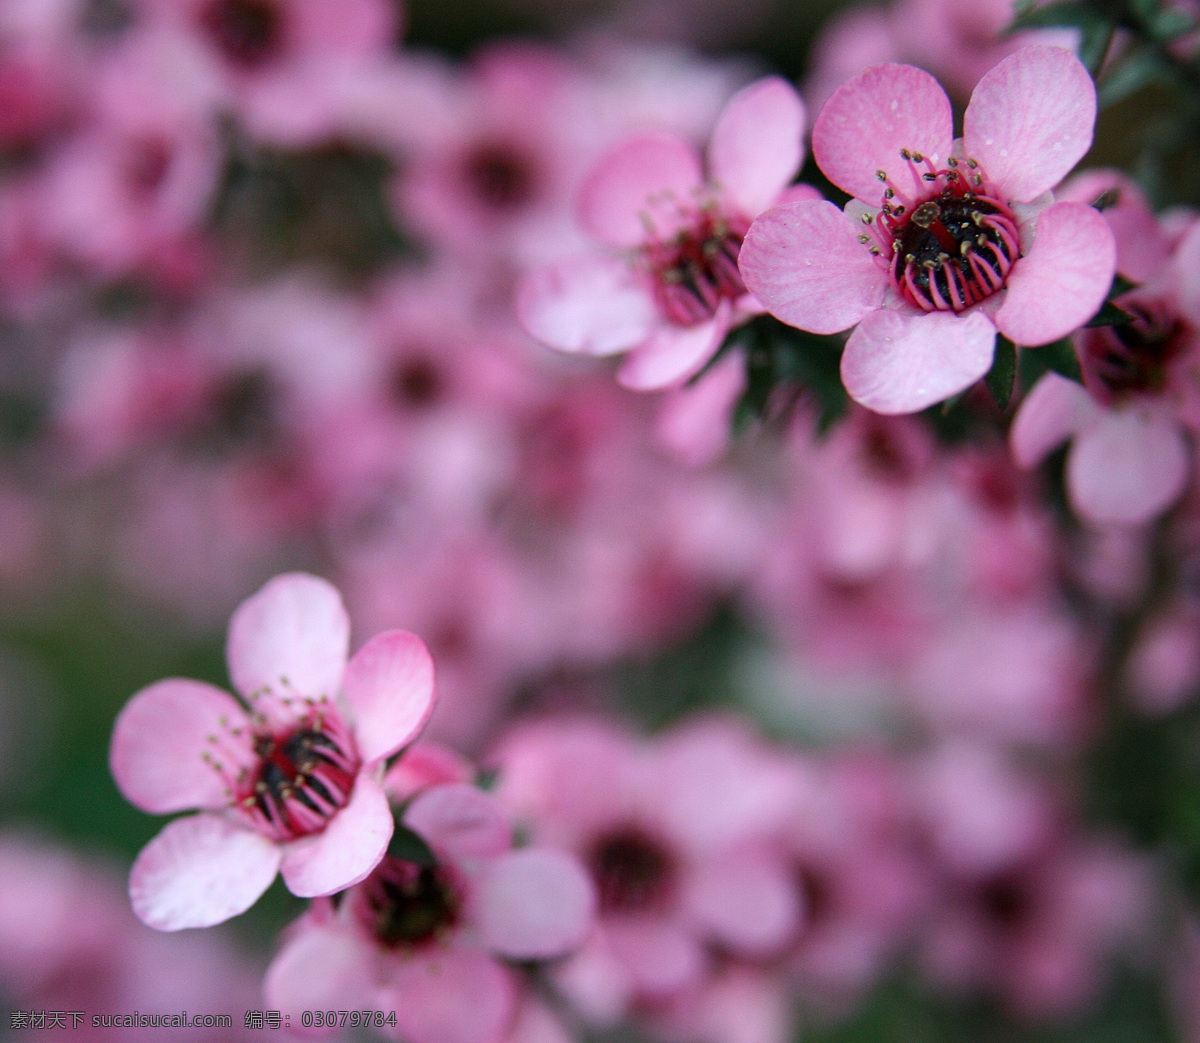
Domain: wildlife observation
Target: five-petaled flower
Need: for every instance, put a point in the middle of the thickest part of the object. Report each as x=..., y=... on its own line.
x=946, y=241
x=288, y=779
x=665, y=286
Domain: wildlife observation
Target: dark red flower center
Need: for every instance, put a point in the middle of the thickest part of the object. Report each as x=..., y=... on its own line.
x=500, y=176
x=246, y=32
x=952, y=247
x=405, y=905
x=633, y=871
x=302, y=777
x=1134, y=358
x=697, y=269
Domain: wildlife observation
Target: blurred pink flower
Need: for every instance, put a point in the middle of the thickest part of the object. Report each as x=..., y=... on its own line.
x=668, y=289
x=945, y=242
x=426, y=940
x=287, y=781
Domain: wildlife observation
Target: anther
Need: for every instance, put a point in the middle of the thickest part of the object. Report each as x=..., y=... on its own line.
x=864, y=238
x=881, y=174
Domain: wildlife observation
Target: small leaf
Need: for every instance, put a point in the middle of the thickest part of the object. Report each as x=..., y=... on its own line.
x=1060, y=358
x=1001, y=379
x=411, y=847
x=1110, y=315
x=1095, y=40
x=1130, y=75
x=1072, y=13
x=1120, y=285
x=1169, y=25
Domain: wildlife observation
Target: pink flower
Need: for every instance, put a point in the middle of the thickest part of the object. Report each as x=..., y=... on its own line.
x=668, y=289
x=946, y=241
x=287, y=779
x=423, y=939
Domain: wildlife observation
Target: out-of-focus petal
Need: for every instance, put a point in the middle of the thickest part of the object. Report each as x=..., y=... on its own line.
x=346, y=850
x=866, y=123
x=1031, y=120
x=389, y=686
x=319, y=968
x=1063, y=279
x=746, y=901
x=158, y=743
x=455, y=996
x=291, y=638
x=804, y=263
x=200, y=871
x=647, y=177
x=896, y=362
x=591, y=306
x=1052, y=411
x=534, y=904
x=757, y=145
x=673, y=353
x=1128, y=468
x=461, y=820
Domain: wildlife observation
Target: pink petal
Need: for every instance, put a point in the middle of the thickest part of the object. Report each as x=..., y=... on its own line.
x=647, y=178
x=346, y=850
x=746, y=901
x=453, y=996
x=1063, y=279
x=158, y=743
x=1142, y=246
x=319, y=968
x=662, y=956
x=461, y=820
x=673, y=353
x=1128, y=468
x=1052, y=411
x=868, y=120
x=804, y=263
x=591, y=306
x=757, y=145
x=1030, y=120
x=897, y=362
x=389, y=686
x=1187, y=264
x=534, y=904
x=426, y=764
x=292, y=637
x=199, y=871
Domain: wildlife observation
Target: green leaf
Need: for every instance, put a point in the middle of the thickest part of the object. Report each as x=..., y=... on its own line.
x=1095, y=40
x=1120, y=285
x=1061, y=358
x=1165, y=26
x=1001, y=379
x=1072, y=13
x=1137, y=70
x=410, y=846
x=1110, y=315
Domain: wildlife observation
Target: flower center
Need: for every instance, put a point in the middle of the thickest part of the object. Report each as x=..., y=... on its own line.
x=500, y=177
x=952, y=247
x=633, y=871
x=245, y=31
x=1134, y=358
x=403, y=904
x=698, y=268
x=303, y=777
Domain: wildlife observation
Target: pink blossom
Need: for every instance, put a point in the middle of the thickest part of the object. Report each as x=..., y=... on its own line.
x=427, y=940
x=667, y=289
x=288, y=778
x=1129, y=458
x=946, y=242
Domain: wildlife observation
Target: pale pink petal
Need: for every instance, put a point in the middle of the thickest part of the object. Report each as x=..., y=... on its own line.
x=661, y=956
x=757, y=145
x=747, y=901
x=1187, y=264
x=159, y=740
x=199, y=871
x=461, y=820
x=423, y=765
x=389, y=685
x=1128, y=468
x=1030, y=120
x=1142, y=245
x=644, y=179
x=346, y=850
x=804, y=263
x=453, y=996
x=868, y=120
x=291, y=638
x=673, y=353
x=319, y=968
x=1052, y=411
x=591, y=305
x=534, y=904
x=1063, y=279
x=897, y=362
